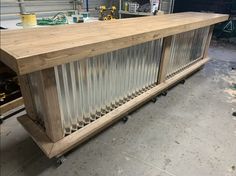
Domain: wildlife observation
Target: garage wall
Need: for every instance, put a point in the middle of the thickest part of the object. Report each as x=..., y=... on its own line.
x=10, y=8
x=167, y=6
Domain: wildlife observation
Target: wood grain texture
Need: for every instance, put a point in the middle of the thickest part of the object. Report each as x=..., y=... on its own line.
x=52, y=149
x=7, y=58
x=165, y=57
x=26, y=93
x=205, y=54
x=50, y=103
x=29, y=50
x=11, y=105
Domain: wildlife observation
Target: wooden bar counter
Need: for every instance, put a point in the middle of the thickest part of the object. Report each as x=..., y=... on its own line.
x=78, y=79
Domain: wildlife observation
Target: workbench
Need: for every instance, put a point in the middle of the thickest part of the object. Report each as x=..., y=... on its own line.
x=76, y=80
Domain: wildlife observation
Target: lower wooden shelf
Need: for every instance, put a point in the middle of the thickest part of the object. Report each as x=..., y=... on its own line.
x=52, y=149
x=11, y=105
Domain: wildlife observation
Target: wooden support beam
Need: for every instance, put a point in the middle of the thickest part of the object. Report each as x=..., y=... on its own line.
x=49, y=100
x=26, y=93
x=165, y=57
x=52, y=149
x=205, y=54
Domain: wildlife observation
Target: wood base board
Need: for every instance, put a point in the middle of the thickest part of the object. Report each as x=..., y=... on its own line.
x=52, y=149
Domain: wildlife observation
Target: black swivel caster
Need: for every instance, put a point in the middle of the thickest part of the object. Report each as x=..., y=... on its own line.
x=125, y=119
x=1, y=121
x=182, y=82
x=234, y=114
x=233, y=68
x=61, y=160
x=154, y=100
x=164, y=93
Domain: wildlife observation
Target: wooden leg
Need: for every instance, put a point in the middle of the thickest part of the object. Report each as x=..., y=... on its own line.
x=49, y=100
x=205, y=54
x=164, y=59
x=28, y=100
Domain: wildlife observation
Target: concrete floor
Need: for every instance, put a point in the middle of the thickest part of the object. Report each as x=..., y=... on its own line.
x=190, y=132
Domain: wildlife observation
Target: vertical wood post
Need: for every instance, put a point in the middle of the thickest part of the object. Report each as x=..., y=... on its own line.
x=205, y=54
x=165, y=57
x=28, y=100
x=50, y=103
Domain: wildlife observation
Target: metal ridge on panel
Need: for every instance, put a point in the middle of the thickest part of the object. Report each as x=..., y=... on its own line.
x=187, y=47
x=92, y=87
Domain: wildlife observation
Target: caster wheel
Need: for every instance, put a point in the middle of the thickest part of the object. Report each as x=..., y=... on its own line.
x=164, y=93
x=1, y=121
x=125, y=119
x=154, y=100
x=182, y=82
x=233, y=68
x=61, y=160
x=234, y=114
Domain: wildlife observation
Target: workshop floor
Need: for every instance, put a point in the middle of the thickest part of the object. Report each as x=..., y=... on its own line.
x=190, y=132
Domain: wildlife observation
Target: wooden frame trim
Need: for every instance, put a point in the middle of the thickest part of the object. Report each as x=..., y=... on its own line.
x=8, y=59
x=208, y=42
x=165, y=57
x=52, y=149
x=49, y=100
x=26, y=93
x=182, y=68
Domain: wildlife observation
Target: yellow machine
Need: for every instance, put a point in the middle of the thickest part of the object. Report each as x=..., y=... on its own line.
x=102, y=11
x=106, y=13
x=112, y=11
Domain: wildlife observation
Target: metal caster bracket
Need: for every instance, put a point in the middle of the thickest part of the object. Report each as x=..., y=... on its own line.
x=61, y=160
x=154, y=100
x=164, y=93
x=125, y=119
x=182, y=82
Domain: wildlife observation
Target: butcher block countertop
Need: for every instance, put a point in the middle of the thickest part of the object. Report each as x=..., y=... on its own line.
x=33, y=49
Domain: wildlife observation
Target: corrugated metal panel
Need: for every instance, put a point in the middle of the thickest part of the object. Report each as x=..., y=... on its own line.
x=186, y=48
x=89, y=88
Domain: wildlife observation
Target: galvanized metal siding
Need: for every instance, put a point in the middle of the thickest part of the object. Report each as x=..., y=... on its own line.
x=186, y=48
x=90, y=88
